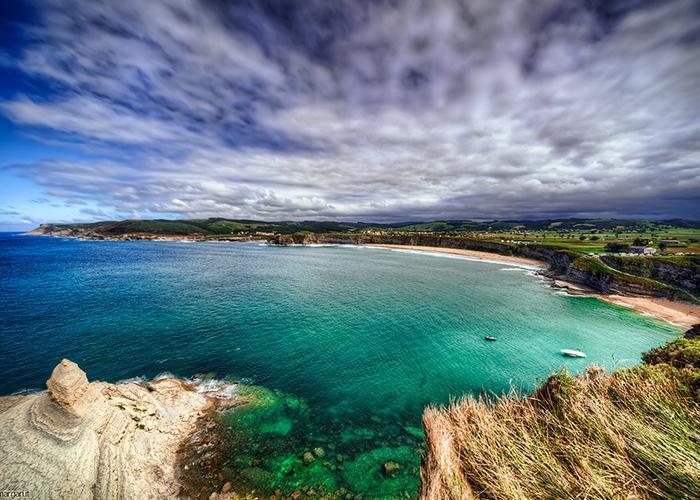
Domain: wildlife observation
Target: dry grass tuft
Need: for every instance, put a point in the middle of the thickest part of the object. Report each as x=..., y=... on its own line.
x=632, y=433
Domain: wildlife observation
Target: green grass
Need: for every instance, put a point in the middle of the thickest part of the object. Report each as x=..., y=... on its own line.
x=632, y=433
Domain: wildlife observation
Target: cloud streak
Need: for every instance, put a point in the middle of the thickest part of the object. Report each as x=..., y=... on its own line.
x=368, y=110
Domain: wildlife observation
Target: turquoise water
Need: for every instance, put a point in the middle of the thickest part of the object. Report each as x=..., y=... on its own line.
x=351, y=342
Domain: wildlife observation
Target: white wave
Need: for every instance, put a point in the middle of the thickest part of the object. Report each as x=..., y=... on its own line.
x=133, y=380
x=26, y=392
x=214, y=387
x=211, y=387
x=360, y=247
x=462, y=257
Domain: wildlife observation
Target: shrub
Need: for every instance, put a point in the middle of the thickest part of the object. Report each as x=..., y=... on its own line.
x=616, y=247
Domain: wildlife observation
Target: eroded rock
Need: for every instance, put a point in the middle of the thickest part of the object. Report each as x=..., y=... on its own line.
x=83, y=440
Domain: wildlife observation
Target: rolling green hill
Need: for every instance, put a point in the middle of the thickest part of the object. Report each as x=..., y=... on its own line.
x=221, y=226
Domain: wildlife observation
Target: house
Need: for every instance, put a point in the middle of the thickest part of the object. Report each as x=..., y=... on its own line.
x=642, y=250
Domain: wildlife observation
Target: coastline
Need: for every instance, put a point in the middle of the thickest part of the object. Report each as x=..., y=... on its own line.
x=473, y=254
x=678, y=314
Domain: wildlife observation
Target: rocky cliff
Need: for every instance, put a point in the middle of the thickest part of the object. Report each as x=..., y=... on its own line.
x=681, y=271
x=83, y=440
x=64, y=231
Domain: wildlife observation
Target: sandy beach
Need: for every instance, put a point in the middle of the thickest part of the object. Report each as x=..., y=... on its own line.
x=474, y=254
x=680, y=314
x=677, y=313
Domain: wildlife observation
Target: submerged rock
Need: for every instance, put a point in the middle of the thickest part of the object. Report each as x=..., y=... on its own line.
x=308, y=457
x=366, y=472
x=281, y=426
x=416, y=432
x=390, y=467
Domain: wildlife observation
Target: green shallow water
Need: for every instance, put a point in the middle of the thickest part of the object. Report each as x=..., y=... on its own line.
x=341, y=347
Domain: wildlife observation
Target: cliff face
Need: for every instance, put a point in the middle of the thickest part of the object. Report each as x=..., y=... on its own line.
x=683, y=272
x=61, y=231
x=83, y=440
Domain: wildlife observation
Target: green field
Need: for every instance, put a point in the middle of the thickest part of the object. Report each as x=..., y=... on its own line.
x=595, y=242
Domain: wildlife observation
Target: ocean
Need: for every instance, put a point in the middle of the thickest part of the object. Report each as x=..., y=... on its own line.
x=341, y=347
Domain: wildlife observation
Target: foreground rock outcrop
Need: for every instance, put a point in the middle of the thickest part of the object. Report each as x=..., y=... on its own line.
x=97, y=440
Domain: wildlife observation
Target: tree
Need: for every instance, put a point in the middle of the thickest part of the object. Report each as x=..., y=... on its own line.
x=616, y=247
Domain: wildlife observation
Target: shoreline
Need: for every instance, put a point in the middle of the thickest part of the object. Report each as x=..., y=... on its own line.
x=679, y=314
x=473, y=254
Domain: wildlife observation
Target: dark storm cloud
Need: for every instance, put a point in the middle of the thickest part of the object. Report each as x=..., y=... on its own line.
x=372, y=110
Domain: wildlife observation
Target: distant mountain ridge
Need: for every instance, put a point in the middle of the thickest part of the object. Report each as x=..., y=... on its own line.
x=222, y=226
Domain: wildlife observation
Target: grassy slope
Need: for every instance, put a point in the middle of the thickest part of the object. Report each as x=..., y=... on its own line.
x=208, y=227
x=634, y=432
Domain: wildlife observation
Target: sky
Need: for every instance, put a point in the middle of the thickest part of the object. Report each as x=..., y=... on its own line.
x=348, y=110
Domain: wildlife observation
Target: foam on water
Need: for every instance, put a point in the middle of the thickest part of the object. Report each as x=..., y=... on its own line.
x=214, y=387
x=133, y=380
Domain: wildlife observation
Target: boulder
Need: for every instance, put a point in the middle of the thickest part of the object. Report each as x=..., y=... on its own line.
x=390, y=468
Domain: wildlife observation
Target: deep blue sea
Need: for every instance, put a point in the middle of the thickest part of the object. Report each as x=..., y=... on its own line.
x=349, y=343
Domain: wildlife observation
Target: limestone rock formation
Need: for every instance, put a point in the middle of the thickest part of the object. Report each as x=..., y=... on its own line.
x=83, y=440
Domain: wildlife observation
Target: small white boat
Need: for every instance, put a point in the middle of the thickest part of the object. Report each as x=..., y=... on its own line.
x=573, y=354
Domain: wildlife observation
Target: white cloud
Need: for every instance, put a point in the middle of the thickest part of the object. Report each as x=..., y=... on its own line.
x=368, y=110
